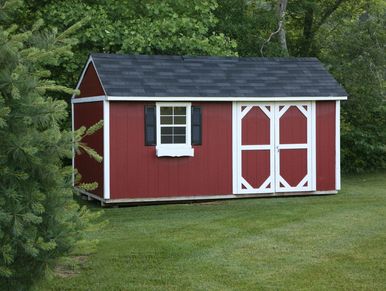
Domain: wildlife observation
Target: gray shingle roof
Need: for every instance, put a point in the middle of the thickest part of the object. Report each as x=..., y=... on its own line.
x=177, y=76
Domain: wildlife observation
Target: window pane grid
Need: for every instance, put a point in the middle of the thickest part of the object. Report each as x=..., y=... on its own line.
x=174, y=139
x=173, y=125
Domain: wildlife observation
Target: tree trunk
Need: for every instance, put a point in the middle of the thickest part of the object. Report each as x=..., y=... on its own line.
x=311, y=26
x=308, y=33
x=282, y=37
x=282, y=6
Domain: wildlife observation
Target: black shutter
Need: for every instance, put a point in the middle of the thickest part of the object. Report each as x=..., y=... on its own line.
x=150, y=125
x=196, y=126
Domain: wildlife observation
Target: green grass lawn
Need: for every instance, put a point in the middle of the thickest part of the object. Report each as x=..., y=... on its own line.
x=321, y=243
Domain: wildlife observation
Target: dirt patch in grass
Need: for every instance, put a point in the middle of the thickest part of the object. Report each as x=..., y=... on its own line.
x=216, y=202
x=71, y=267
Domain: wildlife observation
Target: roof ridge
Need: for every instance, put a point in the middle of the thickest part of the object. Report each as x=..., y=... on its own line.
x=202, y=57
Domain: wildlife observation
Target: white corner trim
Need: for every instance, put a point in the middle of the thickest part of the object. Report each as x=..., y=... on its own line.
x=234, y=149
x=247, y=99
x=89, y=60
x=177, y=151
x=88, y=99
x=73, y=146
x=337, y=144
x=106, y=149
x=313, y=146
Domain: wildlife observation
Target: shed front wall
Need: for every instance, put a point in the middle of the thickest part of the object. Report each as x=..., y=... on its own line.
x=136, y=171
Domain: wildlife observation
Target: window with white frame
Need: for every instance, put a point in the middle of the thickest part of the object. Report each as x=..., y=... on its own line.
x=174, y=129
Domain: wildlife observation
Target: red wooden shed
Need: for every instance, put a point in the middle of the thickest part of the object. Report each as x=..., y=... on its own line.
x=196, y=128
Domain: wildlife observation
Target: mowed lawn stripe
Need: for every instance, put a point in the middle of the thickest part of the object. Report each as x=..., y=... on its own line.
x=320, y=243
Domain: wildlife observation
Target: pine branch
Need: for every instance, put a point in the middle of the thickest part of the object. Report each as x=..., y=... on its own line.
x=91, y=152
x=56, y=88
x=88, y=186
x=73, y=28
x=94, y=128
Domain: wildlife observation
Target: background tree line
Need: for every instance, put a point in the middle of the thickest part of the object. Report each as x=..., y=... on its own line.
x=347, y=36
x=45, y=43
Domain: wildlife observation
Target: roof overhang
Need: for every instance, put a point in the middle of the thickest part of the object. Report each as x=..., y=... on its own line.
x=222, y=99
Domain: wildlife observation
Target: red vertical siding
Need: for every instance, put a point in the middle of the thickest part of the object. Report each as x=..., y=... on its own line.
x=255, y=127
x=90, y=84
x=87, y=114
x=293, y=165
x=325, y=145
x=136, y=171
x=255, y=166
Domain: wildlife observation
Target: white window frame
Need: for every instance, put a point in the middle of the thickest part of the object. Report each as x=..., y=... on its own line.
x=174, y=150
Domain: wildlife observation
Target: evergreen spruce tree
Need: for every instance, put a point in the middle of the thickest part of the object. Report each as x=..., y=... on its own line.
x=39, y=220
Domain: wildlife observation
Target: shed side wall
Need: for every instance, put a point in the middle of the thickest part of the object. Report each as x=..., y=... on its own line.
x=325, y=145
x=136, y=171
x=87, y=114
x=90, y=85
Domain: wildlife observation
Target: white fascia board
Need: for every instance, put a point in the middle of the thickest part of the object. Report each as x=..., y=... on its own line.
x=89, y=99
x=194, y=99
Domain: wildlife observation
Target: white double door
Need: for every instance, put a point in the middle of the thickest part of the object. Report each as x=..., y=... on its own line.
x=275, y=147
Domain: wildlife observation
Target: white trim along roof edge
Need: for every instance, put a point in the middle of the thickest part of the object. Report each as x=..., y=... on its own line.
x=196, y=99
x=260, y=98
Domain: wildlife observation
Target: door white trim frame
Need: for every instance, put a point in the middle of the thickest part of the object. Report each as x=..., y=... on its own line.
x=237, y=178
x=308, y=146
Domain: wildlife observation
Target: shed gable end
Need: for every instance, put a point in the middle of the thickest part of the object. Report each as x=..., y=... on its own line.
x=90, y=84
